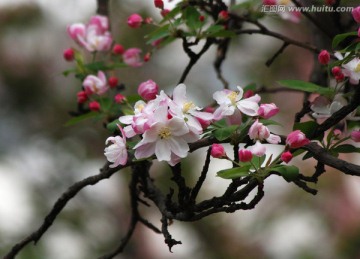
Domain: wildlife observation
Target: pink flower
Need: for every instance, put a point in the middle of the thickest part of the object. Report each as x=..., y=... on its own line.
x=76, y=31
x=258, y=149
x=245, y=155
x=268, y=110
x=113, y=81
x=81, y=97
x=223, y=15
x=119, y=98
x=94, y=106
x=135, y=20
x=116, y=153
x=96, y=84
x=132, y=58
x=297, y=139
x=336, y=70
x=286, y=156
x=259, y=131
x=218, y=151
x=356, y=14
x=355, y=135
x=69, y=54
x=118, y=49
x=101, y=22
x=324, y=57
x=148, y=90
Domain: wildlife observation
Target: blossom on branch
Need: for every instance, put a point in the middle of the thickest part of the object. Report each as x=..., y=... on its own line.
x=116, y=153
x=95, y=84
x=296, y=139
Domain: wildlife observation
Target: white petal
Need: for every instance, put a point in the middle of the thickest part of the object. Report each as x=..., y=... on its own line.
x=207, y=116
x=273, y=139
x=248, y=107
x=178, y=126
x=163, y=150
x=145, y=150
x=179, y=94
x=179, y=147
x=241, y=92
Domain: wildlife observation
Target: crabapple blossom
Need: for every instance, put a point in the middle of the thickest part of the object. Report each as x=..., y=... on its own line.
x=164, y=12
x=165, y=137
x=118, y=49
x=296, y=139
x=81, y=97
x=355, y=135
x=356, y=14
x=116, y=153
x=148, y=90
x=119, y=98
x=113, y=81
x=267, y=110
x=351, y=69
x=229, y=101
x=223, y=15
x=69, y=54
x=132, y=58
x=259, y=131
x=101, y=22
x=323, y=108
x=159, y=4
x=95, y=84
x=94, y=106
x=257, y=149
x=135, y=20
x=336, y=70
x=218, y=151
x=245, y=155
x=324, y=57
x=286, y=156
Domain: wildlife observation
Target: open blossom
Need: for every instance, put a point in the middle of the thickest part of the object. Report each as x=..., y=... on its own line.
x=259, y=131
x=257, y=149
x=324, y=108
x=297, y=139
x=355, y=135
x=148, y=90
x=116, y=153
x=267, y=110
x=95, y=84
x=165, y=137
x=132, y=58
x=218, y=151
x=351, y=69
x=229, y=101
x=93, y=36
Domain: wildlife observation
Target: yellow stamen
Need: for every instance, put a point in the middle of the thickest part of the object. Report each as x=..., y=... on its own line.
x=357, y=69
x=187, y=106
x=232, y=96
x=165, y=133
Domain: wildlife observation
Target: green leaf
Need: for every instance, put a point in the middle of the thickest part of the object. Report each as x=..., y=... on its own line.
x=307, y=156
x=346, y=148
x=175, y=11
x=289, y=172
x=340, y=37
x=235, y=172
x=159, y=33
x=269, y=122
x=306, y=87
x=133, y=98
x=224, y=133
x=258, y=161
x=81, y=118
x=191, y=17
x=112, y=126
x=218, y=31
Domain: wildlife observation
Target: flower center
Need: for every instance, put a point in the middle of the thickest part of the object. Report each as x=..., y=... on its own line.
x=164, y=133
x=357, y=68
x=232, y=97
x=187, y=106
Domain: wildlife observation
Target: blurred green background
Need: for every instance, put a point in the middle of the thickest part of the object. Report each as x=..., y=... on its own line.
x=40, y=157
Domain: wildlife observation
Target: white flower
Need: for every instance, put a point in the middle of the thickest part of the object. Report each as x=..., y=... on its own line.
x=116, y=153
x=351, y=69
x=165, y=138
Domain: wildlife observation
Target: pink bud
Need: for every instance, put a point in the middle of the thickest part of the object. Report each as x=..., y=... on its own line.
x=132, y=58
x=337, y=133
x=113, y=81
x=218, y=151
x=355, y=135
x=159, y=4
x=94, y=106
x=223, y=15
x=324, y=57
x=269, y=2
x=258, y=131
x=336, y=70
x=164, y=12
x=245, y=155
x=135, y=20
x=339, y=77
x=286, y=156
x=248, y=94
x=267, y=110
x=147, y=57
x=69, y=54
x=118, y=49
x=356, y=14
x=201, y=18
x=148, y=90
x=81, y=97
x=297, y=139
x=119, y=98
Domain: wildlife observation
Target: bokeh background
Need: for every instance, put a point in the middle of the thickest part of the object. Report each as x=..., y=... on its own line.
x=40, y=157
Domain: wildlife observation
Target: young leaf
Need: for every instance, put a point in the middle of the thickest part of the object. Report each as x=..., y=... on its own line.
x=307, y=127
x=224, y=133
x=340, y=37
x=306, y=87
x=191, y=17
x=158, y=34
x=346, y=148
x=234, y=172
x=81, y=118
x=289, y=172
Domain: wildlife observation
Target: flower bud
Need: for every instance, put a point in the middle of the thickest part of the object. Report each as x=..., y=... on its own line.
x=94, y=106
x=245, y=155
x=69, y=54
x=147, y=57
x=355, y=135
x=223, y=15
x=336, y=70
x=164, y=12
x=248, y=94
x=218, y=151
x=267, y=110
x=339, y=77
x=356, y=14
x=118, y=49
x=148, y=90
x=81, y=97
x=269, y=2
x=135, y=20
x=113, y=81
x=159, y=4
x=324, y=57
x=297, y=139
x=132, y=58
x=201, y=18
x=286, y=156
x=119, y=98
